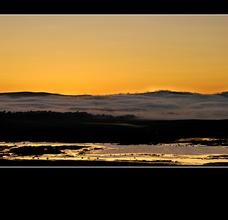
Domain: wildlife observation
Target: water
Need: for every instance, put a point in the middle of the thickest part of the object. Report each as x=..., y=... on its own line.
x=183, y=152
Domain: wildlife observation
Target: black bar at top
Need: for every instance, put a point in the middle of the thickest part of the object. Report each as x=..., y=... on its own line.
x=114, y=7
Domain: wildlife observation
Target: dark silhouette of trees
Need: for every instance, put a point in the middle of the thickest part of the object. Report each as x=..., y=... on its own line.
x=85, y=127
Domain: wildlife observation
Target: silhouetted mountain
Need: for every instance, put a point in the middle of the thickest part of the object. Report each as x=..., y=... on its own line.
x=168, y=93
x=26, y=94
x=224, y=94
x=32, y=94
x=154, y=93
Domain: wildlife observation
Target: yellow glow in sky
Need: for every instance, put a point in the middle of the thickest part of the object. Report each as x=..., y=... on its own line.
x=113, y=54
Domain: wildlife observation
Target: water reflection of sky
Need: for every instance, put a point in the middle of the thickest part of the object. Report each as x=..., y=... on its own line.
x=179, y=153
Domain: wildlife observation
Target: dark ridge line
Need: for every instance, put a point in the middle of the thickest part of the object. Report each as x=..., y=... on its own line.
x=162, y=92
x=25, y=93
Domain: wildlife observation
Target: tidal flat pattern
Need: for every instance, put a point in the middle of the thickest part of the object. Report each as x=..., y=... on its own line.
x=195, y=151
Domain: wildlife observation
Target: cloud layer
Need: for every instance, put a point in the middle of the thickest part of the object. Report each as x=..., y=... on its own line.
x=155, y=105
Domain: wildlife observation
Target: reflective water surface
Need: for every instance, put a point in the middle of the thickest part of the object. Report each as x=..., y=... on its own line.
x=183, y=152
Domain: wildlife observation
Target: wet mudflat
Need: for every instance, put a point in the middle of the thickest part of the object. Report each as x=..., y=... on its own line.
x=184, y=152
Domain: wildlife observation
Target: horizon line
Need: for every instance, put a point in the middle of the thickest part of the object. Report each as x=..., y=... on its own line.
x=119, y=93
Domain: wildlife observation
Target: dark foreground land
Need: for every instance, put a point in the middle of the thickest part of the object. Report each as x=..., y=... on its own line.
x=83, y=127
x=89, y=163
x=70, y=163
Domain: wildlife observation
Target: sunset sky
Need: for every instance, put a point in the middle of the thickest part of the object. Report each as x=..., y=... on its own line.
x=113, y=54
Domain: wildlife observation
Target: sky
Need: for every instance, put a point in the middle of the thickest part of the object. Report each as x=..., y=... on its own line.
x=113, y=54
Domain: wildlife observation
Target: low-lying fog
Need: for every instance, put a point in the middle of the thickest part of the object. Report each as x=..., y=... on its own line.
x=152, y=105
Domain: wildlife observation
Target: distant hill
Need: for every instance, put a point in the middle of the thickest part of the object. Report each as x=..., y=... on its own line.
x=224, y=94
x=26, y=94
x=31, y=94
x=167, y=93
x=154, y=93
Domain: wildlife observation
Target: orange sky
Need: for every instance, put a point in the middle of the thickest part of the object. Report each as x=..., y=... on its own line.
x=113, y=54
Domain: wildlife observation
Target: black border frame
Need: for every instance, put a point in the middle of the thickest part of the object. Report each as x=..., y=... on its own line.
x=114, y=7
